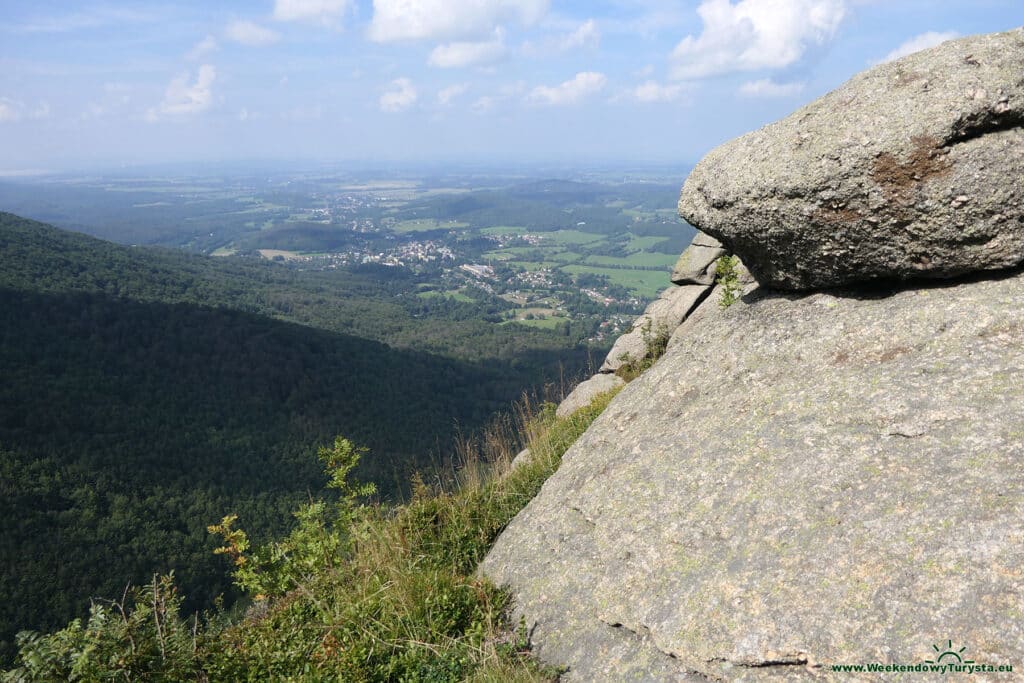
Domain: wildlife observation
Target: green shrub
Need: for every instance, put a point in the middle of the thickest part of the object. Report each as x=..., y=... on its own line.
x=139, y=638
x=728, y=279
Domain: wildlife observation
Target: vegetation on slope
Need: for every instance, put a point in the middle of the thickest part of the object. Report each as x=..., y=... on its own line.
x=356, y=592
x=147, y=393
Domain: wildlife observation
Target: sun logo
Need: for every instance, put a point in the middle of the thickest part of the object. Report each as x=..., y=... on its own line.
x=949, y=652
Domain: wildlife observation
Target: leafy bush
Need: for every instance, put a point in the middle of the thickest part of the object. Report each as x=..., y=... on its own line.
x=139, y=638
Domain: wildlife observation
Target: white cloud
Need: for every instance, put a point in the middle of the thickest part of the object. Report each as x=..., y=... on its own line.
x=766, y=87
x=459, y=54
x=93, y=110
x=583, y=85
x=202, y=48
x=918, y=43
x=183, y=97
x=483, y=104
x=652, y=91
x=754, y=34
x=250, y=33
x=326, y=12
x=587, y=35
x=446, y=95
x=448, y=19
x=115, y=96
x=12, y=111
x=400, y=97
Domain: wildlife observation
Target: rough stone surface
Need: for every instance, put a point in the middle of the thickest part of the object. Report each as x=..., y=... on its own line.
x=585, y=392
x=800, y=481
x=911, y=169
x=629, y=347
x=696, y=265
x=522, y=457
x=665, y=313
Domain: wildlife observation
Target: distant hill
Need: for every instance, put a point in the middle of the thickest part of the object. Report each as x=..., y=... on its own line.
x=146, y=393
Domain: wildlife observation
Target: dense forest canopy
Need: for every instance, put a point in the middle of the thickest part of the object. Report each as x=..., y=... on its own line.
x=149, y=392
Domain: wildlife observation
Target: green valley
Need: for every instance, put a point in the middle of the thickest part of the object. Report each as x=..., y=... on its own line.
x=593, y=248
x=148, y=392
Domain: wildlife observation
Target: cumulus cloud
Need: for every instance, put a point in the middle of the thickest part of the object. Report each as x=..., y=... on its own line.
x=448, y=19
x=401, y=95
x=766, y=87
x=652, y=91
x=586, y=35
x=445, y=96
x=183, y=97
x=202, y=48
x=459, y=54
x=583, y=85
x=250, y=33
x=326, y=12
x=918, y=43
x=754, y=34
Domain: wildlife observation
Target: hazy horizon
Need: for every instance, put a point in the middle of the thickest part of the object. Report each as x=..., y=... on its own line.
x=101, y=85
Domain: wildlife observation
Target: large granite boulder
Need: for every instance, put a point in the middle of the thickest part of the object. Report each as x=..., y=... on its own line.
x=800, y=481
x=911, y=169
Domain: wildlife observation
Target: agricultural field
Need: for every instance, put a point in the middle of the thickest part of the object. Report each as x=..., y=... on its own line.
x=596, y=247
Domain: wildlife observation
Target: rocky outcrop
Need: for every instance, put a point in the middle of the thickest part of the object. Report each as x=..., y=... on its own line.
x=798, y=482
x=660, y=319
x=649, y=333
x=586, y=391
x=911, y=169
x=805, y=480
x=696, y=265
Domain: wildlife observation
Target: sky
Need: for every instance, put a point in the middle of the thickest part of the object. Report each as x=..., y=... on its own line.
x=88, y=84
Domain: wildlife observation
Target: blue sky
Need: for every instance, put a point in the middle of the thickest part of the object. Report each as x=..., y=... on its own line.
x=99, y=84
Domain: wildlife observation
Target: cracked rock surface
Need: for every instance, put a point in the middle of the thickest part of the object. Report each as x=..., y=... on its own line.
x=801, y=480
x=914, y=168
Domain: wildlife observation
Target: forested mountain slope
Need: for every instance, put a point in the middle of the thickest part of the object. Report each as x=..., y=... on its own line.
x=148, y=393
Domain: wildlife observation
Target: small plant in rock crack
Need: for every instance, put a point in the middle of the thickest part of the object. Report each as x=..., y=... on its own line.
x=728, y=278
x=655, y=343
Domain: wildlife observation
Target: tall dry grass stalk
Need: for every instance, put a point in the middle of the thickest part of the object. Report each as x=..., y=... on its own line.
x=488, y=453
